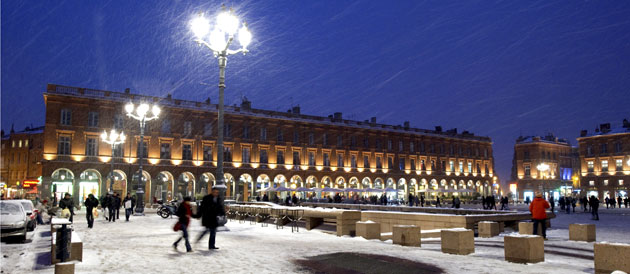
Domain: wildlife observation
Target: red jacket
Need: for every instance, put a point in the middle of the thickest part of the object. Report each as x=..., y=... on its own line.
x=537, y=208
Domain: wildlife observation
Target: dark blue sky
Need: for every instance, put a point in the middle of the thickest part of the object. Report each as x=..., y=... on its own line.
x=497, y=68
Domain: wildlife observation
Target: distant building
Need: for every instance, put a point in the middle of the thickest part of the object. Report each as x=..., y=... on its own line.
x=543, y=163
x=605, y=160
x=21, y=167
x=262, y=148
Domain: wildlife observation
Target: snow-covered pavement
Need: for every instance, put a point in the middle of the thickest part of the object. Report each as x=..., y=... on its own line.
x=143, y=245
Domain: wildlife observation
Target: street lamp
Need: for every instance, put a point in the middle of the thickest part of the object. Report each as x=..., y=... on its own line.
x=542, y=168
x=113, y=139
x=220, y=37
x=141, y=114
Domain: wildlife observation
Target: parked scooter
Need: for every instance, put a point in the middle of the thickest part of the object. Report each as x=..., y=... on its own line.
x=167, y=210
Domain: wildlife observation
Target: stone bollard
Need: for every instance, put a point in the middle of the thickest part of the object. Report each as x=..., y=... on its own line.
x=611, y=256
x=64, y=268
x=406, y=235
x=459, y=241
x=369, y=230
x=527, y=228
x=488, y=229
x=524, y=249
x=582, y=232
x=346, y=222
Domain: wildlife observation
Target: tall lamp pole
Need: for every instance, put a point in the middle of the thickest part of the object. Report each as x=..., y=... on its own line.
x=542, y=168
x=141, y=114
x=113, y=139
x=221, y=37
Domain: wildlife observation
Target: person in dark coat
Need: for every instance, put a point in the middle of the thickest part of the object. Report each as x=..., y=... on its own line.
x=265, y=198
x=422, y=200
x=411, y=199
x=594, y=203
x=90, y=203
x=211, y=207
x=117, y=203
x=437, y=202
x=287, y=200
x=68, y=203
x=294, y=200
x=111, y=205
x=105, y=201
x=128, y=203
x=619, y=201
x=184, y=212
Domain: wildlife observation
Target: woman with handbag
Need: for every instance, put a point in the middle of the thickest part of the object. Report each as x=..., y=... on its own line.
x=212, y=214
x=183, y=212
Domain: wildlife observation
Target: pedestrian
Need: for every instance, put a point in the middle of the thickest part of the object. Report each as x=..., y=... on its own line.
x=128, y=204
x=619, y=201
x=625, y=201
x=527, y=201
x=211, y=211
x=457, y=202
x=573, y=204
x=67, y=203
x=567, y=202
x=483, y=202
x=607, y=201
x=422, y=200
x=552, y=203
x=90, y=205
x=117, y=204
x=111, y=205
x=184, y=212
x=539, y=215
x=613, y=202
x=133, y=203
x=105, y=206
x=294, y=200
x=437, y=202
x=594, y=203
x=453, y=202
x=265, y=198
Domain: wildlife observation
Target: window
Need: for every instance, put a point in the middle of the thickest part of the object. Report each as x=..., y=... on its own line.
x=91, y=147
x=411, y=147
x=165, y=151
x=526, y=155
x=353, y=141
x=486, y=169
x=20, y=143
x=263, y=134
x=339, y=160
x=66, y=117
x=187, y=128
x=390, y=162
x=280, y=136
x=423, y=165
x=227, y=154
x=603, y=148
x=589, y=150
x=451, y=165
x=13, y=143
x=604, y=165
x=366, y=161
x=246, y=134
x=366, y=142
x=379, y=145
x=280, y=157
x=590, y=166
x=620, y=182
x=353, y=161
x=296, y=159
x=166, y=126
x=142, y=150
x=451, y=149
x=207, y=130
x=339, y=140
x=400, y=146
x=412, y=164
x=401, y=163
x=470, y=167
x=63, y=147
x=618, y=165
x=478, y=168
x=618, y=147
x=432, y=148
x=118, y=121
x=326, y=160
x=246, y=157
x=311, y=158
x=433, y=165
x=378, y=162
x=296, y=137
x=389, y=144
x=311, y=138
x=92, y=119
x=227, y=130
x=422, y=147
x=485, y=153
x=325, y=139
x=461, y=166
x=441, y=149
x=25, y=143
x=528, y=171
x=207, y=153
x=591, y=183
x=263, y=156
x=605, y=182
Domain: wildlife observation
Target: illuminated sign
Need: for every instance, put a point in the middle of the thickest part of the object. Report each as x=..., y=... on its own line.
x=30, y=183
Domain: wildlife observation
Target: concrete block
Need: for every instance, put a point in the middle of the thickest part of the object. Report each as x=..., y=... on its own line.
x=368, y=230
x=611, y=256
x=406, y=235
x=346, y=222
x=582, y=232
x=524, y=249
x=458, y=241
x=527, y=228
x=64, y=268
x=488, y=229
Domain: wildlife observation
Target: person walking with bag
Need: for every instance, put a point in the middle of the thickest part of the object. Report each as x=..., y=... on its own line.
x=90, y=205
x=128, y=204
x=67, y=204
x=183, y=212
x=212, y=214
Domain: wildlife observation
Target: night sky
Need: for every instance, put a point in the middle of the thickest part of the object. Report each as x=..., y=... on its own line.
x=496, y=68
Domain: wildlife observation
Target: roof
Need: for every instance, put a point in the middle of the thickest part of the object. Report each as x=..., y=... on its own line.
x=235, y=110
x=612, y=131
x=549, y=139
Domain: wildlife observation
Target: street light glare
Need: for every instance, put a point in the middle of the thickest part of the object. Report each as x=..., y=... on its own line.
x=244, y=36
x=129, y=108
x=142, y=110
x=217, y=40
x=200, y=26
x=227, y=22
x=104, y=136
x=156, y=110
x=122, y=137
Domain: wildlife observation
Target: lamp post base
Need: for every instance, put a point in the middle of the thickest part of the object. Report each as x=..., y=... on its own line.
x=139, y=203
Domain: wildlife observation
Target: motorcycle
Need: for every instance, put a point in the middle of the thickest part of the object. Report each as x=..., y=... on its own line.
x=167, y=210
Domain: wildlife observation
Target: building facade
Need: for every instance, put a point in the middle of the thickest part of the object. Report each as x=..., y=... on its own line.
x=21, y=162
x=262, y=148
x=543, y=163
x=605, y=160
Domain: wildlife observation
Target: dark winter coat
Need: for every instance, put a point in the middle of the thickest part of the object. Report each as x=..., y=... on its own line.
x=106, y=201
x=594, y=203
x=115, y=202
x=67, y=203
x=90, y=204
x=133, y=202
x=184, y=212
x=209, y=210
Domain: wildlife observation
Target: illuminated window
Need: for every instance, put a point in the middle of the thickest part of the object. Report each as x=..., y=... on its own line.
x=591, y=183
x=353, y=161
x=311, y=159
x=326, y=160
x=20, y=143
x=604, y=165
x=470, y=167
x=296, y=159
x=451, y=165
x=528, y=171
x=590, y=166
x=605, y=182
x=165, y=151
x=207, y=153
x=461, y=166
x=620, y=182
x=13, y=143
x=227, y=154
x=618, y=164
x=280, y=157
x=379, y=164
x=246, y=158
x=188, y=128
x=63, y=146
x=340, y=160
x=401, y=163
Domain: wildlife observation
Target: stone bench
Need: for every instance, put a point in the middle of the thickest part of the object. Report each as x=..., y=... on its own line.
x=527, y=228
x=488, y=229
x=459, y=241
x=368, y=230
x=76, y=248
x=524, y=249
x=58, y=222
x=406, y=235
x=611, y=256
x=582, y=232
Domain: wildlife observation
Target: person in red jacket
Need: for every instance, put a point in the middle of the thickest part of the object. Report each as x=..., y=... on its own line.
x=539, y=215
x=183, y=212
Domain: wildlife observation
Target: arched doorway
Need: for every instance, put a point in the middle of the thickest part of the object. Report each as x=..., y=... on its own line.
x=207, y=182
x=146, y=179
x=186, y=184
x=163, y=189
x=296, y=181
x=89, y=183
x=243, y=188
x=366, y=183
x=229, y=183
x=378, y=183
x=262, y=182
x=62, y=183
x=311, y=182
x=340, y=183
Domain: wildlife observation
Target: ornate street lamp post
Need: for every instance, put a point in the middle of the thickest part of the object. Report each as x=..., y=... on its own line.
x=221, y=37
x=141, y=114
x=112, y=139
x=542, y=168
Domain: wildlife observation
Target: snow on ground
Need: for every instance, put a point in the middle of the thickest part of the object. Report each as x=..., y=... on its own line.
x=143, y=245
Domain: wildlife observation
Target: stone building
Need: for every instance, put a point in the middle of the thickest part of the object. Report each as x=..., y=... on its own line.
x=21, y=167
x=543, y=163
x=605, y=160
x=262, y=148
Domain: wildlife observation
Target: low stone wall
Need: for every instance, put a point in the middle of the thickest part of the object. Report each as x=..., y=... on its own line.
x=437, y=210
x=425, y=220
